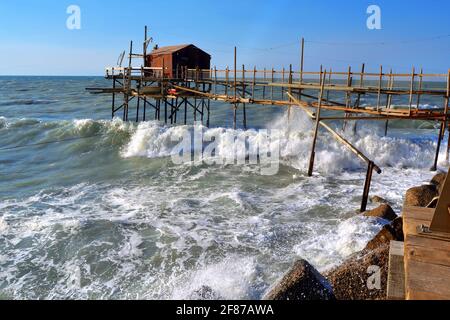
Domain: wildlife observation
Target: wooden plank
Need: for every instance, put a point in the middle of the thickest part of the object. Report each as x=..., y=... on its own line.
x=425, y=278
x=396, y=272
x=428, y=250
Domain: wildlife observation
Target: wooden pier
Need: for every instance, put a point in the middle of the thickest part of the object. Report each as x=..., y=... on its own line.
x=325, y=95
x=419, y=267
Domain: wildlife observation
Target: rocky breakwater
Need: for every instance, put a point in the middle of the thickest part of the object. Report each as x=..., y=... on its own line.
x=349, y=281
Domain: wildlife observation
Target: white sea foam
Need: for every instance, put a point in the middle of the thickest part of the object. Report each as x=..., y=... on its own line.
x=152, y=139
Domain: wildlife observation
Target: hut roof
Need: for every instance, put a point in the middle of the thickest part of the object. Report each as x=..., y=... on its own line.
x=171, y=49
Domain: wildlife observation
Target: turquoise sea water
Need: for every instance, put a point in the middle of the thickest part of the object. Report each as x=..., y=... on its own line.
x=105, y=213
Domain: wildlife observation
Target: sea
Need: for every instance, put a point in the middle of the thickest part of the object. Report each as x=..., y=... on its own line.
x=96, y=208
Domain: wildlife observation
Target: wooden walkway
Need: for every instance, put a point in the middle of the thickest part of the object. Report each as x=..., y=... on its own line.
x=426, y=258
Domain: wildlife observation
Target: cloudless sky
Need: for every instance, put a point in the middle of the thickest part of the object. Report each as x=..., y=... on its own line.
x=35, y=40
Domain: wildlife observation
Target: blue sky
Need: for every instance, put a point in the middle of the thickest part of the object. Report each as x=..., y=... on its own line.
x=35, y=39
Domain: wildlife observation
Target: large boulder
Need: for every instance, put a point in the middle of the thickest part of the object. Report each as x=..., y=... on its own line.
x=421, y=196
x=390, y=232
x=378, y=199
x=353, y=280
x=301, y=282
x=438, y=180
x=384, y=211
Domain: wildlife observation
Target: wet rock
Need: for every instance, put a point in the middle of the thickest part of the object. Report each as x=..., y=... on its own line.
x=377, y=199
x=421, y=196
x=390, y=232
x=356, y=278
x=438, y=180
x=204, y=293
x=386, y=235
x=384, y=212
x=397, y=227
x=301, y=282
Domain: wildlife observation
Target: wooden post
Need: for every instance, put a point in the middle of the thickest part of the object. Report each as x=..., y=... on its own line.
x=185, y=110
x=113, y=98
x=235, y=88
x=313, y=148
x=137, y=107
x=254, y=83
x=145, y=46
x=282, y=81
x=389, y=101
x=215, y=80
x=420, y=88
x=329, y=83
x=367, y=183
x=347, y=96
x=227, y=75
x=380, y=82
x=301, y=68
x=145, y=109
x=271, y=87
x=207, y=119
x=290, y=92
x=243, y=96
x=411, y=89
x=264, y=85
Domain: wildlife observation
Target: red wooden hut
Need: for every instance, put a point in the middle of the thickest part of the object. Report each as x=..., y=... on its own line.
x=177, y=58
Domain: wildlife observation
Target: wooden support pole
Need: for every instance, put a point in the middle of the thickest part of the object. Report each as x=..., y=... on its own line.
x=185, y=110
x=301, y=67
x=313, y=148
x=367, y=183
x=282, y=81
x=145, y=109
x=165, y=110
x=208, y=117
x=113, y=103
x=264, y=85
x=438, y=147
x=347, y=96
x=235, y=88
x=329, y=83
x=290, y=92
x=380, y=83
x=389, y=101
x=420, y=88
x=215, y=80
x=411, y=89
x=137, y=107
x=227, y=80
x=243, y=96
x=254, y=83
x=271, y=87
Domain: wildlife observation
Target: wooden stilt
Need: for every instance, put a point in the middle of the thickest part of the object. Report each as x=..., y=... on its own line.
x=389, y=100
x=367, y=183
x=411, y=90
x=235, y=88
x=313, y=148
x=244, y=111
x=301, y=67
x=185, y=111
x=438, y=147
